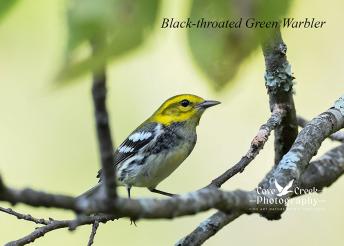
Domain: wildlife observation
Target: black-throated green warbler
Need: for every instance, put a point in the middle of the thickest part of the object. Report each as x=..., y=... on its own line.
x=160, y=144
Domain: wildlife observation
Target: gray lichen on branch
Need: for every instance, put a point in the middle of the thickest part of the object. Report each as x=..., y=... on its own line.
x=278, y=76
x=281, y=78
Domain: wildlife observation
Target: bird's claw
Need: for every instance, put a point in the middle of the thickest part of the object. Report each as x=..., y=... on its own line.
x=132, y=221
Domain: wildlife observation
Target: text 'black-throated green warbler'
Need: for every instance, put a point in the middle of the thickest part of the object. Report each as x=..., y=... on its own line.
x=160, y=144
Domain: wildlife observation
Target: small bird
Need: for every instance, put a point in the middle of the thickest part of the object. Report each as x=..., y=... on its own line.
x=160, y=144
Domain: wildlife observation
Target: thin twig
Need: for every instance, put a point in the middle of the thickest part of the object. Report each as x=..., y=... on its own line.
x=93, y=233
x=59, y=224
x=27, y=217
x=337, y=136
x=256, y=146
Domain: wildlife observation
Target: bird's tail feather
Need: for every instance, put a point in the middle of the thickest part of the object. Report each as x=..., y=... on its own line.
x=91, y=193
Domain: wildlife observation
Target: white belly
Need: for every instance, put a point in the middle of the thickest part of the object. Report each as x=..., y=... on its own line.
x=158, y=167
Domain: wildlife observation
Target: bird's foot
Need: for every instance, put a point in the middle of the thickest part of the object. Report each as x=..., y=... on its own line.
x=133, y=222
x=162, y=192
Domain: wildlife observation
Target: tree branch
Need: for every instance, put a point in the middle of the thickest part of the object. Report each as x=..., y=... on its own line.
x=36, y=198
x=106, y=146
x=59, y=224
x=325, y=171
x=279, y=83
x=208, y=228
x=26, y=217
x=256, y=146
x=337, y=136
x=319, y=174
x=290, y=167
x=93, y=233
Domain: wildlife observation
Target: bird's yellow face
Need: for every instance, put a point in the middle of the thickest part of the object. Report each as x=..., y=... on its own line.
x=180, y=108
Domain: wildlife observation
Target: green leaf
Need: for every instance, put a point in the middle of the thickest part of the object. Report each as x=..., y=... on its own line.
x=5, y=6
x=117, y=26
x=220, y=51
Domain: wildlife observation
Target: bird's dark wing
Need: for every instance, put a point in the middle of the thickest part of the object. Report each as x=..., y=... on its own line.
x=129, y=148
x=135, y=142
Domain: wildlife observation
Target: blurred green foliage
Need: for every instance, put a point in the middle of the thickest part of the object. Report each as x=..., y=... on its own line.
x=5, y=6
x=119, y=26
x=116, y=25
x=220, y=51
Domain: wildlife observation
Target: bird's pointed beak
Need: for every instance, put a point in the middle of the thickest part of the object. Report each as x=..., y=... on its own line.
x=207, y=104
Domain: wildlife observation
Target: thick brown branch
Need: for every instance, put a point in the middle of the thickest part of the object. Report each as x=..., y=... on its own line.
x=256, y=146
x=279, y=83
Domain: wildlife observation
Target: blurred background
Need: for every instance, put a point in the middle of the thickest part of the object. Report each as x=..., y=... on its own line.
x=47, y=135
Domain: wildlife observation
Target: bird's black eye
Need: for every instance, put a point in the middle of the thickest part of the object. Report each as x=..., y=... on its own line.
x=185, y=103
